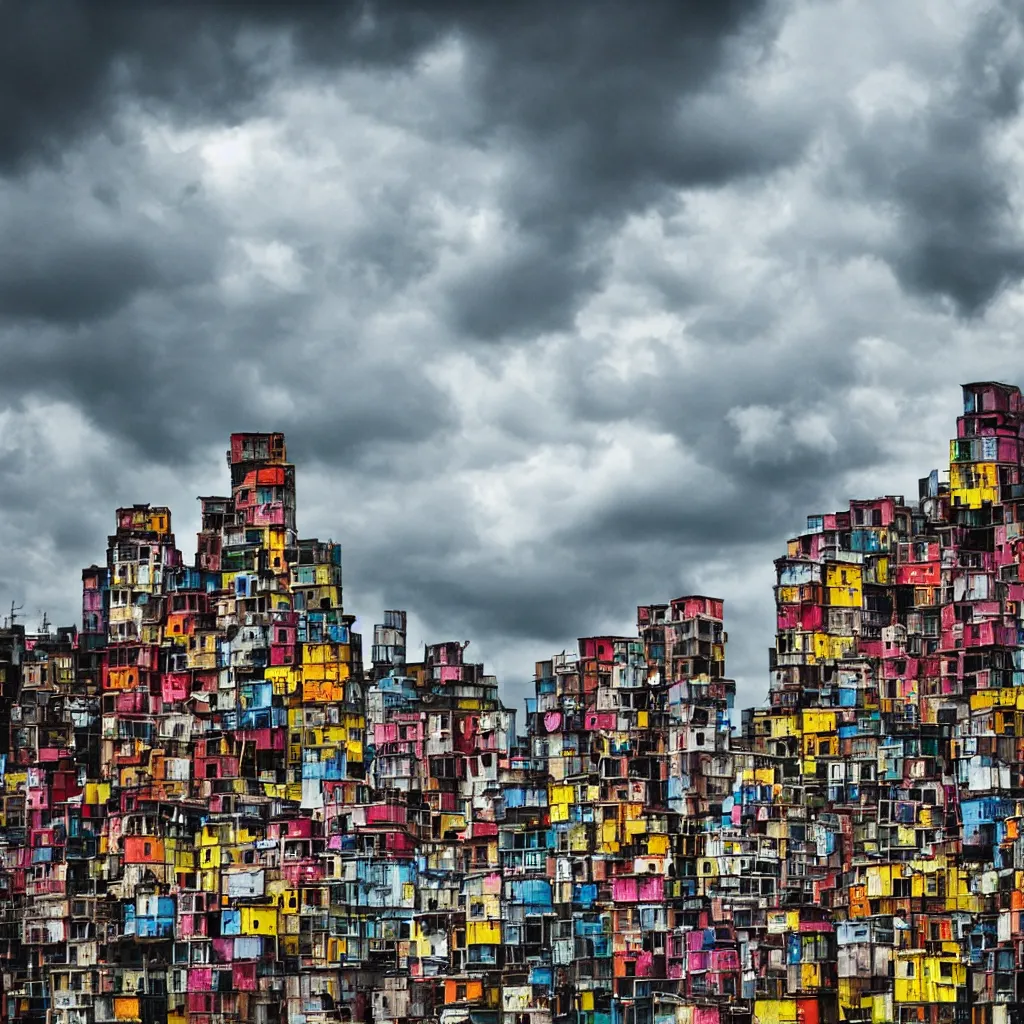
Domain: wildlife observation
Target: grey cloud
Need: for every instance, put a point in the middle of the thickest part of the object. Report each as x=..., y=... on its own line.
x=531, y=290
x=576, y=585
x=65, y=69
x=957, y=234
x=79, y=280
x=538, y=596
x=607, y=107
x=669, y=517
x=51, y=518
x=164, y=332
x=595, y=152
x=123, y=314
x=77, y=254
x=166, y=388
x=597, y=137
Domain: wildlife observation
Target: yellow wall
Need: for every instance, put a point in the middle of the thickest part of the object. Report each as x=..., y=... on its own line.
x=974, y=483
x=259, y=921
x=919, y=979
x=776, y=1011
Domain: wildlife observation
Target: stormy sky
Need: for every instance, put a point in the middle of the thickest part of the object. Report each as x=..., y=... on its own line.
x=562, y=307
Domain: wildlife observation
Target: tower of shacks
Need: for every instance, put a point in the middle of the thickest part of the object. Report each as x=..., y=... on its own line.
x=217, y=807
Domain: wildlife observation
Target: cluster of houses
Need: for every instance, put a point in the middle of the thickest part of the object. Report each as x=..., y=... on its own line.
x=218, y=808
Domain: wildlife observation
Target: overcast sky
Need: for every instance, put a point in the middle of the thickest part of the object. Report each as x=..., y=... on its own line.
x=563, y=307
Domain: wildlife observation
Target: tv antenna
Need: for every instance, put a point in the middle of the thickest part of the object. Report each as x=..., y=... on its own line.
x=13, y=617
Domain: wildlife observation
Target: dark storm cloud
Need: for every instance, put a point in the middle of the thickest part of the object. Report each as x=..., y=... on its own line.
x=592, y=98
x=70, y=258
x=605, y=106
x=128, y=378
x=546, y=595
x=595, y=80
x=958, y=236
x=532, y=289
x=87, y=280
x=560, y=305
x=65, y=67
x=115, y=304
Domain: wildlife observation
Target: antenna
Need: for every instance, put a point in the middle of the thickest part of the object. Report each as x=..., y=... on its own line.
x=14, y=614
